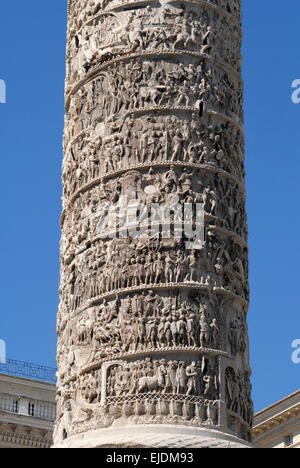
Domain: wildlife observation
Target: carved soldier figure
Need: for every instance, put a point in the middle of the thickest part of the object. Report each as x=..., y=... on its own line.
x=168, y=332
x=168, y=268
x=113, y=309
x=210, y=382
x=192, y=267
x=177, y=149
x=149, y=304
x=181, y=378
x=215, y=332
x=161, y=332
x=152, y=333
x=220, y=272
x=174, y=331
x=141, y=333
x=204, y=329
x=191, y=330
x=171, y=379
x=182, y=330
x=192, y=373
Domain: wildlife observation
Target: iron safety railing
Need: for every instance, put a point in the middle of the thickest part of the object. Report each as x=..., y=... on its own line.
x=28, y=370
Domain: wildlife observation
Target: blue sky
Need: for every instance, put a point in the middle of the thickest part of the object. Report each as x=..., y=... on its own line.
x=32, y=56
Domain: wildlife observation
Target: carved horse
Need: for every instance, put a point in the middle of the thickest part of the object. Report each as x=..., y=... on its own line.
x=187, y=38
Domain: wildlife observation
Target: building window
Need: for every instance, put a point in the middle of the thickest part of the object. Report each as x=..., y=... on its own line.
x=30, y=409
x=289, y=440
x=16, y=407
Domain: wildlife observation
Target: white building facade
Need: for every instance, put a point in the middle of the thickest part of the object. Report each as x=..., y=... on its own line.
x=27, y=405
x=278, y=426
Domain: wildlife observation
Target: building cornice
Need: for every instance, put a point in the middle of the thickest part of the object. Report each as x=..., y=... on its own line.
x=26, y=439
x=276, y=420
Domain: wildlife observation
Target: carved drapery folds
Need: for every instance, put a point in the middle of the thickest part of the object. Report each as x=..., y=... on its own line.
x=152, y=329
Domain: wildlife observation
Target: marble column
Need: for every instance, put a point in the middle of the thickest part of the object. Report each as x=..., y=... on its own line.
x=153, y=343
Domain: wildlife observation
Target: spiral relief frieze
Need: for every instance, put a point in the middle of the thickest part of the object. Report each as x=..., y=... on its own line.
x=154, y=291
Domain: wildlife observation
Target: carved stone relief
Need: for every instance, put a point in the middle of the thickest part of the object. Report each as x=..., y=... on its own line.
x=153, y=125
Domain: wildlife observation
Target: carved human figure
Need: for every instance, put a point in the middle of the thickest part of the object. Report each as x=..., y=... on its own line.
x=204, y=329
x=192, y=374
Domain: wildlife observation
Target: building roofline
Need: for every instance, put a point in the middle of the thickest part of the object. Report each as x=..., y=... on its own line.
x=277, y=403
x=26, y=381
x=265, y=421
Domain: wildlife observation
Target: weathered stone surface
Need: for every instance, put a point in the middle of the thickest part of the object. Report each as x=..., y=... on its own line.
x=158, y=436
x=152, y=327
